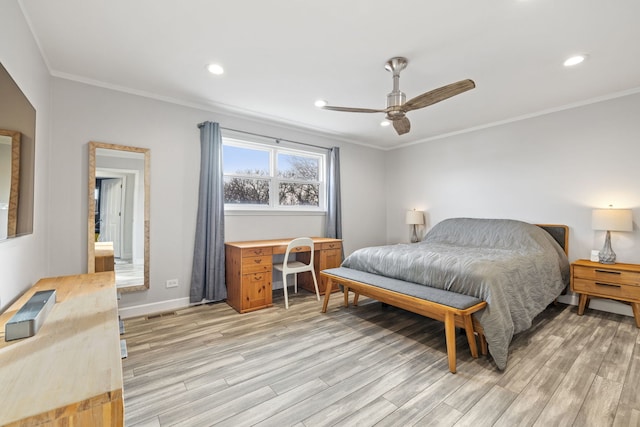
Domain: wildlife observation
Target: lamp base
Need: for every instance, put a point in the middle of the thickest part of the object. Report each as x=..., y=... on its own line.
x=414, y=234
x=606, y=255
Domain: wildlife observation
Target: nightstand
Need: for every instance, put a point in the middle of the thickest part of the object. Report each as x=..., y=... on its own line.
x=620, y=282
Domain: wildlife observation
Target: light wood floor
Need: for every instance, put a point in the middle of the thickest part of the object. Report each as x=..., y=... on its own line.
x=365, y=366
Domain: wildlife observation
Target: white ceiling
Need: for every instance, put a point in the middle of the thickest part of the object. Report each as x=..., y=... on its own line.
x=282, y=55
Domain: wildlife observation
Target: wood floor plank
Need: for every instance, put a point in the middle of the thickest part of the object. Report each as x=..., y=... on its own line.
x=568, y=398
x=488, y=409
x=616, y=362
x=526, y=408
x=626, y=416
x=599, y=407
x=337, y=411
x=630, y=396
x=369, y=414
x=520, y=376
x=465, y=397
x=422, y=403
x=442, y=415
x=272, y=406
x=369, y=365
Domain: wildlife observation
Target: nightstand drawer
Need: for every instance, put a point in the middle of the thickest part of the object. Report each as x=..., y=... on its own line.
x=604, y=274
x=606, y=289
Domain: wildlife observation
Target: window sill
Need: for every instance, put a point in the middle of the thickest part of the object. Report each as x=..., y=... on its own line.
x=271, y=212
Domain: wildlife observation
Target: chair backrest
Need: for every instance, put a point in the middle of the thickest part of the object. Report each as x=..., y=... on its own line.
x=296, y=244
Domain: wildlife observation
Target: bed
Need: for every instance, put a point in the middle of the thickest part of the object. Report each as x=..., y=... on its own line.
x=516, y=267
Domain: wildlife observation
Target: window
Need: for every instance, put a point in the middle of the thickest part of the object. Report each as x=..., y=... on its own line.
x=260, y=176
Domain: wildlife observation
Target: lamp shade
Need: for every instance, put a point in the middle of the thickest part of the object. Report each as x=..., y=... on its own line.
x=414, y=217
x=612, y=219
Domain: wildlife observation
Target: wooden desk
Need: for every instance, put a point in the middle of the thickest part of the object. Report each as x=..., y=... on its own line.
x=70, y=372
x=249, y=267
x=104, y=256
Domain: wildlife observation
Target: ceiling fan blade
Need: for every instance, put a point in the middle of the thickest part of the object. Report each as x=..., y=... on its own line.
x=402, y=125
x=353, y=110
x=437, y=95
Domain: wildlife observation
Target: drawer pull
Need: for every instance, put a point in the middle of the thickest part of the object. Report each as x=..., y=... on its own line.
x=608, y=271
x=258, y=260
x=607, y=284
x=258, y=252
x=298, y=249
x=257, y=277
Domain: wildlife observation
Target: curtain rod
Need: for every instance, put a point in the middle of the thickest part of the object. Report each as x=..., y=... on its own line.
x=271, y=137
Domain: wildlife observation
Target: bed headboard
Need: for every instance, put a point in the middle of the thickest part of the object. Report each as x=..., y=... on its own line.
x=560, y=234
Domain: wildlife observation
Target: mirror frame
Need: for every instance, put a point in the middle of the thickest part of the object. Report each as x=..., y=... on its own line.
x=91, y=223
x=14, y=190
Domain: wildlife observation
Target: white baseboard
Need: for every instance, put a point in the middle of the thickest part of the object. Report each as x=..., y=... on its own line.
x=156, y=307
x=602, y=304
x=175, y=304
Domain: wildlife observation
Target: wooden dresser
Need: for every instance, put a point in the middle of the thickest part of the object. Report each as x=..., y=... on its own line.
x=249, y=266
x=618, y=281
x=70, y=372
x=104, y=260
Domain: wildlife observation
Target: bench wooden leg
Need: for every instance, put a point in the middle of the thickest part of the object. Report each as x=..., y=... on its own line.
x=484, y=348
x=471, y=336
x=346, y=295
x=327, y=294
x=356, y=295
x=450, y=336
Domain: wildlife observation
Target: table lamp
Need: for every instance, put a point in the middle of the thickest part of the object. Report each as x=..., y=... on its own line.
x=610, y=220
x=413, y=219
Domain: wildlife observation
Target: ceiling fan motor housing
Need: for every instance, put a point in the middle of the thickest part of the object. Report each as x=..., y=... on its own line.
x=395, y=100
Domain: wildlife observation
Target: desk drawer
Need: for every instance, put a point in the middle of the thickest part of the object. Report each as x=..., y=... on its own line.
x=256, y=264
x=332, y=245
x=256, y=290
x=256, y=252
x=607, y=275
x=607, y=289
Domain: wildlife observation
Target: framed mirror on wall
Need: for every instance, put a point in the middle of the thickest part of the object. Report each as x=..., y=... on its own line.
x=9, y=182
x=118, y=216
x=17, y=159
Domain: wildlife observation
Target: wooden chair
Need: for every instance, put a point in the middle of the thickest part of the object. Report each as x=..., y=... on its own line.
x=294, y=267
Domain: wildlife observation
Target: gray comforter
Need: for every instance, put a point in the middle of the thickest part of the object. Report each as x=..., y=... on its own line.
x=516, y=267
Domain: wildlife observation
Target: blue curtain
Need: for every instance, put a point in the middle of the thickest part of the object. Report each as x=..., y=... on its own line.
x=207, y=275
x=333, y=220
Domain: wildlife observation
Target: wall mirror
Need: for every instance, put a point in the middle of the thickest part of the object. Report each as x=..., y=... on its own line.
x=118, y=222
x=17, y=154
x=9, y=182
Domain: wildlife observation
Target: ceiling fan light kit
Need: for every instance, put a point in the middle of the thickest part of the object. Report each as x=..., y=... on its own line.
x=397, y=106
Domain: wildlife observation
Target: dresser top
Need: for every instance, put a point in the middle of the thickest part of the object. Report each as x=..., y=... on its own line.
x=73, y=358
x=616, y=266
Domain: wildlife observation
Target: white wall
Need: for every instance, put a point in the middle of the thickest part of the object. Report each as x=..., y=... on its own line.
x=24, y=260
x=84, y=113
x=553, y=168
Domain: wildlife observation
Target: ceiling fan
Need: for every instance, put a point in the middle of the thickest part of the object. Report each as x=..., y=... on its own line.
x=396, y=105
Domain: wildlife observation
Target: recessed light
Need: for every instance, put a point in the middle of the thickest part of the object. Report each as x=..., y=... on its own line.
x=320, y=103
x=215, y=69
x=574, y=60
x=385, y=123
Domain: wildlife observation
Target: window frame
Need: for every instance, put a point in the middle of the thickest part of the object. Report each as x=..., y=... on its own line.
x=274, y=181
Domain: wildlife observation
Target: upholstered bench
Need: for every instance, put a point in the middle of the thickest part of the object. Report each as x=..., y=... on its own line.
x=449, y=307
